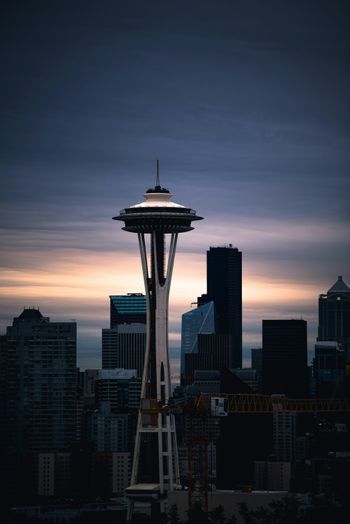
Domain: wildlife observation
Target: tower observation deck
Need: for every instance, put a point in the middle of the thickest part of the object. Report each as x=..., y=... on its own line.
x=155, y=469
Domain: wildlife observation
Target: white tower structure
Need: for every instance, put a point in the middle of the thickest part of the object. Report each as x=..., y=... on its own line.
x=155, y=469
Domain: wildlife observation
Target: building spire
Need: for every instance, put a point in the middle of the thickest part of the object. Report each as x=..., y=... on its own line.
x=339, y=286
x=157, y=179
x=157, y=188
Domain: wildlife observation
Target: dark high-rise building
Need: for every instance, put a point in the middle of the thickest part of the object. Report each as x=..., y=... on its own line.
x=112, y=425
x=119, y=388
x=224, y=288
x=39, y=382
x=284, y=357
x=334, y=315
x=244, y=438
x=124, y=347
x=212, y=333
x=124, y=344
x=195, y=322
x=127, y=309
x=256, y=360
x=328, y=369
x=213, y=354
x=38, y=387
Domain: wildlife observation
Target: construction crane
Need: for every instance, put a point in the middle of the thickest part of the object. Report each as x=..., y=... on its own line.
x=202, y=426
x=254, y=403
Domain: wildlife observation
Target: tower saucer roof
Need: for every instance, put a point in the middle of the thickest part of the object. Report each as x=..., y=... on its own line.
x=157, y=199
x=157, y=213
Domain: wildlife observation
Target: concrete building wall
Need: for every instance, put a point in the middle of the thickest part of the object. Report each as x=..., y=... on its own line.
x=46, y=474
x=278, y=476
x=110, y=432
x=272, y=476
x=121, y=472
x=284, y=435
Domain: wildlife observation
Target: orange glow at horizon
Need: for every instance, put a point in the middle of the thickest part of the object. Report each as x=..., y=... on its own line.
x=75, y=284
x=79, y=275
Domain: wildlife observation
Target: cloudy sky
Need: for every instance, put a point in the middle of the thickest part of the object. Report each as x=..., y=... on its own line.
x=245, y=102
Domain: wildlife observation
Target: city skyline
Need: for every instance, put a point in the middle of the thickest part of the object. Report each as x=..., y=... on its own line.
x=249, y=120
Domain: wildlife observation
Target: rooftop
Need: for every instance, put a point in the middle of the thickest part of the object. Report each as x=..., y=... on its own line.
x=157, y=199
x=117, y=373
x=30, y=315
x=130, y=303
x=339, y=286
x=327, y=344
x=157, y=189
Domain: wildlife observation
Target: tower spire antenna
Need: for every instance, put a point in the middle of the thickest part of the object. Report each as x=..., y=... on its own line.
x=157, y=179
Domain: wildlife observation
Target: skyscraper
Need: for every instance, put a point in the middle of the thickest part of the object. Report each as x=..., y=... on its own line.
x=119, y=388
x=256, y=360
x=155, y=437
x=224, y=288
x=124, y=347
x=127, y=309
x=124, y=344
x=38, y=387
x=195, y=322
x=334, y=315
x=39, y=382
x=213, y=354
x=284, y=357
x=212, y=333
x=328, y=368
x=284, y=434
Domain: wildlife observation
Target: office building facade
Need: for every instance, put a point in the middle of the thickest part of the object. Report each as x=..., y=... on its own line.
x=334, y=315
x=195, y=322
x=256, y=363
x=124, y=347
x=214, y=353
x=284, y=358
x=328, y=369
x=284, y=435
x=119, y=388
x=124, y=343
x=127, y=309
x=110, y=431
x=224, y=288
x=39, y=383
x=272, y=476
x=38, y=388
x=212, y=333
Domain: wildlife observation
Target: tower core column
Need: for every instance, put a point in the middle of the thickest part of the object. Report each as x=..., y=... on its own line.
x=155, y=469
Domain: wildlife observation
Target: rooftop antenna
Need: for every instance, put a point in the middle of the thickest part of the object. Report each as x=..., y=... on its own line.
x=157, y=181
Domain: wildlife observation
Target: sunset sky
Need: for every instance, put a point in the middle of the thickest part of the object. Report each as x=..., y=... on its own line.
x=245, y=102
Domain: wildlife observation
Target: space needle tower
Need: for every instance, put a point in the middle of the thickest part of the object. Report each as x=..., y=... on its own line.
x=157, y=221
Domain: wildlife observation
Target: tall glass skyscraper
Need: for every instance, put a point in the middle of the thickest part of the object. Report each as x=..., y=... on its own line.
x=224, y=288
x=195, y=322
x=127, y=309
x=212, y=333
x=123, y=345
